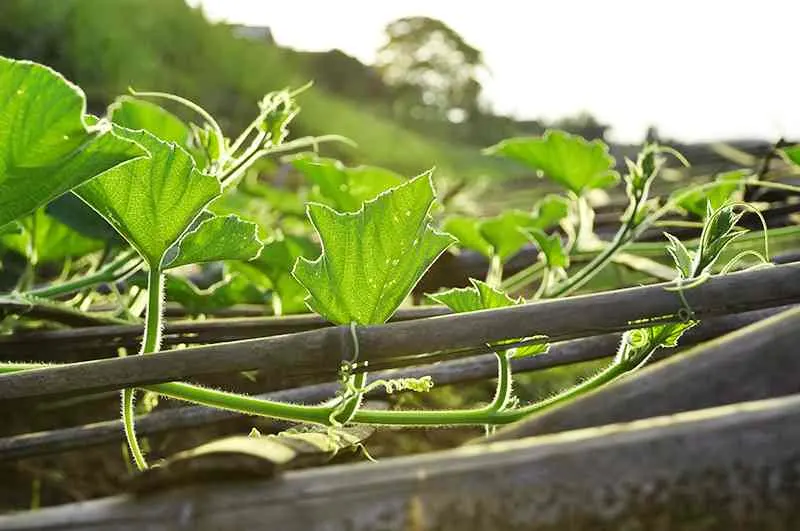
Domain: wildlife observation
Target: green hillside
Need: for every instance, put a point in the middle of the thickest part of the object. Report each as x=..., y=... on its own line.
x=107, y=46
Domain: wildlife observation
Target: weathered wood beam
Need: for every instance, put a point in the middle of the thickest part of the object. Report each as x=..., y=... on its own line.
x=728, y=468
x=317, y=355
x=444, y=373
x=759, y=361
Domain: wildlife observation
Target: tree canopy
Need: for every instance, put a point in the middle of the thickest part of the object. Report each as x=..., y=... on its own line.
x=432, y=69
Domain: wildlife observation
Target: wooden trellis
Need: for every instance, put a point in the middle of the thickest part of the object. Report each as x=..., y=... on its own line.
x=728, y=467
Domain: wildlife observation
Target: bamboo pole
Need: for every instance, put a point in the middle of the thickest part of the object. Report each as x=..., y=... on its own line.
x=759, y=361
x=317, y=355
x=445, y=373
x=71, y=344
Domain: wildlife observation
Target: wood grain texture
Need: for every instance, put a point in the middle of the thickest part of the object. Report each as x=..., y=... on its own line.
x=74, y=344
x=716, y=470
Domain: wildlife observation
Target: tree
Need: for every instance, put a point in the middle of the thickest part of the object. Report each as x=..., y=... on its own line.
x=431, y=69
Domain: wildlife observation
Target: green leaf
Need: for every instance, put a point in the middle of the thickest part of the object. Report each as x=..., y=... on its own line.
x=680, y=256
x=502, y=232
x=549, y=211
x=500, y=235
x=218, y=238
x=482, y=296
x=792, y=154
x=372, y=258
x=466, y=230
x=46, y=144
x=52, y=241
x=550, y=246
x=638, y=345
x=569, y=160
x=132, y=113
x=718, y=232
x=345, y=189
x=152, y=201
x=233, y=289
x=282, y=200
x=273, y=269
x=697, y=201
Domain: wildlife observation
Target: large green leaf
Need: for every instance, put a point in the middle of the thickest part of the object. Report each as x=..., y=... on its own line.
x=219, y=238
x=152, y=201
x=50, y=240
x=569, y=160
x=343, y=188
x=372, y=258
x=482, y=296
x=46, y=144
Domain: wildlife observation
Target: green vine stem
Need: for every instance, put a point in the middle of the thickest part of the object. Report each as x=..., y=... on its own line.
x=503, y=396
x=151, y=343
x=117, y=270
x=495, y=273
x=491, y=414
x=128, y=413
x=155, y=311
x=243, y=163
x=601, y=260
x=523, y=278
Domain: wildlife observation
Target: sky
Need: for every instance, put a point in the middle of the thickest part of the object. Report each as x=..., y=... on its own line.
x=696, y=69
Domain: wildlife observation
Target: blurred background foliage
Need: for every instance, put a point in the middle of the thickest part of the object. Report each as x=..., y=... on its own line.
x=417, y=108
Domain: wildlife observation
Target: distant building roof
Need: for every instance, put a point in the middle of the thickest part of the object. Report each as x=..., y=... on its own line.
x=256, y=33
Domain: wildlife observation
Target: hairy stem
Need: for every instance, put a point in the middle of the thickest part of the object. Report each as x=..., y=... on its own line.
x=243, y=403
x=321, y=414
x=502, y=396
x=155, y=311
x=150, y=344
x=128, y=413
